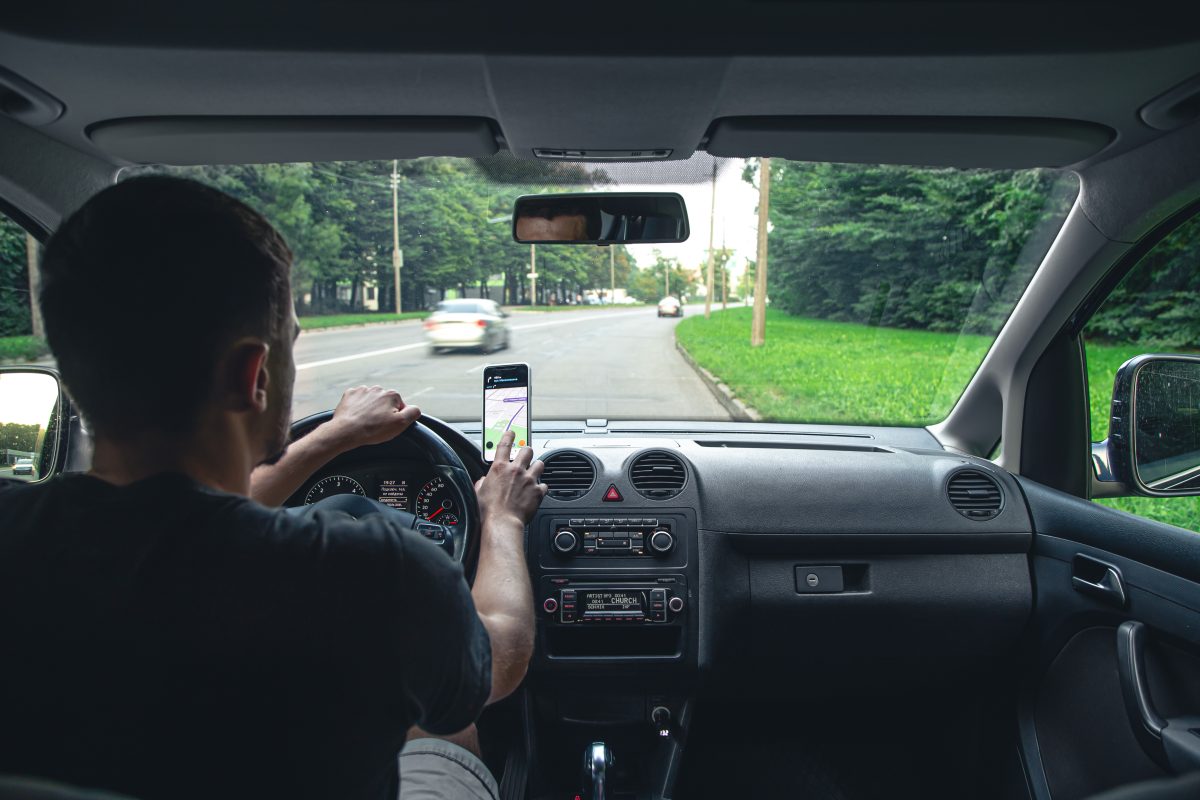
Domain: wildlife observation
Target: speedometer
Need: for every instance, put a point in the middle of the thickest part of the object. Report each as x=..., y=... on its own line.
x=435, y=502
x=333, y=485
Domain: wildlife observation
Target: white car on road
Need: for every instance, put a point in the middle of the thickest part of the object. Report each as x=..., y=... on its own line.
x=475, y=324
x=670, y=307
x=23, y=466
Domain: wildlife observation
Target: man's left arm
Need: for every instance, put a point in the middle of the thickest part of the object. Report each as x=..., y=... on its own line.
x=365, y=415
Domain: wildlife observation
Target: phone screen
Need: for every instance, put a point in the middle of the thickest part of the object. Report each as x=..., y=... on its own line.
x=505, y=406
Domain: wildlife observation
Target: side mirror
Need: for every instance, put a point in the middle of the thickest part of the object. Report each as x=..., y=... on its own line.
x=1154, y=427
x=32, y=424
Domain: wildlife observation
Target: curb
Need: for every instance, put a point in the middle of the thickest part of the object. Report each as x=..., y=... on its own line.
x=736, y=408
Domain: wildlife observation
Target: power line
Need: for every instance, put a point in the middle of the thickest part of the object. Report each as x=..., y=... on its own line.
x=351, y=180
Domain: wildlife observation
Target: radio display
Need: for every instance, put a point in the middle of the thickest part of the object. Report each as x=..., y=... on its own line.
x=612, y=601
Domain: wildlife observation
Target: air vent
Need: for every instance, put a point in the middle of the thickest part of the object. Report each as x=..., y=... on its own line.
x=975, y=494
x=657, y=475
x=568, y=474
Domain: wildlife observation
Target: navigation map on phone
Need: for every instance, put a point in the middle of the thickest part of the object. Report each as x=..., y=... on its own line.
x=505, y=409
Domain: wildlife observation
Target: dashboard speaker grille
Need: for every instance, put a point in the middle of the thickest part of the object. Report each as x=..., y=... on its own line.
x=975, y=494
x=658, y=475
x=569, y=475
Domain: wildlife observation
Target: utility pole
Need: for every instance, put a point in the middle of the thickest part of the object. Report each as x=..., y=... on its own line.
x=712, y=214
x=533, y=274
x=666, y=279
x=758, y=325
x=612, y=274
x=397, y=256
x=724, y=267
x=35, y=308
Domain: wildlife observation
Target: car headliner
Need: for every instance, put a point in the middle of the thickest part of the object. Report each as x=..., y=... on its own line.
x=1040, y=84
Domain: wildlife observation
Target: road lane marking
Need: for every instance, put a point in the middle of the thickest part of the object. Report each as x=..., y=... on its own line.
x=401, y=348
x=418, y=394
x=367, y=354
x=602, y=315
x=476, y=369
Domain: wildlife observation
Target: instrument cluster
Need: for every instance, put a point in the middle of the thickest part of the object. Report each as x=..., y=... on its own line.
x=406, y=486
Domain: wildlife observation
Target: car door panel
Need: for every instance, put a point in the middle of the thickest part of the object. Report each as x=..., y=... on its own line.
x=1077, y=737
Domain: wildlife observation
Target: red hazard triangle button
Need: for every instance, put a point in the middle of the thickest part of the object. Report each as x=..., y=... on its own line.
x=612, y=495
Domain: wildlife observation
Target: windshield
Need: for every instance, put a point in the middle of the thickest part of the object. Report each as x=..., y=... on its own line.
x=885, y=285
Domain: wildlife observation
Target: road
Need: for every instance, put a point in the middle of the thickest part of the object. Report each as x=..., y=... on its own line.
x=614, y=364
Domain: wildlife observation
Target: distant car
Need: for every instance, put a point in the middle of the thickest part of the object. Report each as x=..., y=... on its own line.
x=670, y=307
x=474, y=324
x=24, y=466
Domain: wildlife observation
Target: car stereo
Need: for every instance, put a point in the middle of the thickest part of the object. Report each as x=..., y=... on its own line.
x=606, y=601
x=612, y=536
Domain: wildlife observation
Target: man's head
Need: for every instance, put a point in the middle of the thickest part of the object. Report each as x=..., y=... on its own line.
x=168, y=305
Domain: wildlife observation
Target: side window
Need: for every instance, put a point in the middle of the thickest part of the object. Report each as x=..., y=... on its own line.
x=27, y=400
x=20, y=324
x=1156, y=308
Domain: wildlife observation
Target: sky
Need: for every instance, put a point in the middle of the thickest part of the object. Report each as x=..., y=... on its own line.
x=27, y=398
x=736, y=217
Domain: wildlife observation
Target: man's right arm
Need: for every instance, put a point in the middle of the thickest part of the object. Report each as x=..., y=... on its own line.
x=508, y=497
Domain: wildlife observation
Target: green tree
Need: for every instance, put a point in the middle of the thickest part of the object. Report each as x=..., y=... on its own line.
x=1157, y=305
x=933, y=249
x=650, y=284
x=337, y=217
x=14, y=280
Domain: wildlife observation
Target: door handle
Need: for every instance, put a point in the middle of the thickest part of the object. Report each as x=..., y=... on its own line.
x=1131, y=665
x=1098, y=579
x=1173, y=744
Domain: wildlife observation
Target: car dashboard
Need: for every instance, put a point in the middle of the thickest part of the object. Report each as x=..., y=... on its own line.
x=759, y=562
x=752, y=562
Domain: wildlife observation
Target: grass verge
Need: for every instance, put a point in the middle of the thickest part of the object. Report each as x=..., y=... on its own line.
x=22, y=348
x=345, y=320
x=820, y=371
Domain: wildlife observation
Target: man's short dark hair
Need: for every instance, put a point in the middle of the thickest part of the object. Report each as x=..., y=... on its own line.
x=145, y=285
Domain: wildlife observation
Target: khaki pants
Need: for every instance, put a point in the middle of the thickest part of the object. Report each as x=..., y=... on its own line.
x=434, y=769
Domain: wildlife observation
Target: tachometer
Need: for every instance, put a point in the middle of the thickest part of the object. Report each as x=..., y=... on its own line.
x=334, y=484
x=435, y=502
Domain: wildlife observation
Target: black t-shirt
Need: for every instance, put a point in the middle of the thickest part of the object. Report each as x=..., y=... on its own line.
x=166, y=640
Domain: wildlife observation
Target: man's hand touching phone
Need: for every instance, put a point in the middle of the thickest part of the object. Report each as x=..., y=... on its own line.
x=509, y=495
x=511, y=487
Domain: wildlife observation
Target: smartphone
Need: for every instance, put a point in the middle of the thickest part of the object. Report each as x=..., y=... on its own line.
x=506, y=401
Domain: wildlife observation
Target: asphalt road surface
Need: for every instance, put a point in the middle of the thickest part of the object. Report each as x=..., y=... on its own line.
x=614, y=364
x=7, y=472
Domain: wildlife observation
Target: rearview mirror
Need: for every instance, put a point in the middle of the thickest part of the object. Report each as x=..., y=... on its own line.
x=1154, y=438
x=601, y=218
x=30, y=411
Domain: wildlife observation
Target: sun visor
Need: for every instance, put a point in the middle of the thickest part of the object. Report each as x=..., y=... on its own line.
x=258, y=140
x=991, y=142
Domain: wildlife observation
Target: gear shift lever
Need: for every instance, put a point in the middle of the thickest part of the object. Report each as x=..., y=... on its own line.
x=597, y=758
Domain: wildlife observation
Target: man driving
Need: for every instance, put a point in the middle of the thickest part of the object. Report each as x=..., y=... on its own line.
x=168, y=636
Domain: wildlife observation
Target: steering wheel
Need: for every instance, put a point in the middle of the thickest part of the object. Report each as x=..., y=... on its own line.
x=461, y=542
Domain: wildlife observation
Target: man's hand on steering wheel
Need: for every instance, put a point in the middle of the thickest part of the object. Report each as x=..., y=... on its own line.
x=369, y=415
x=511, y=489
x=365, y=415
